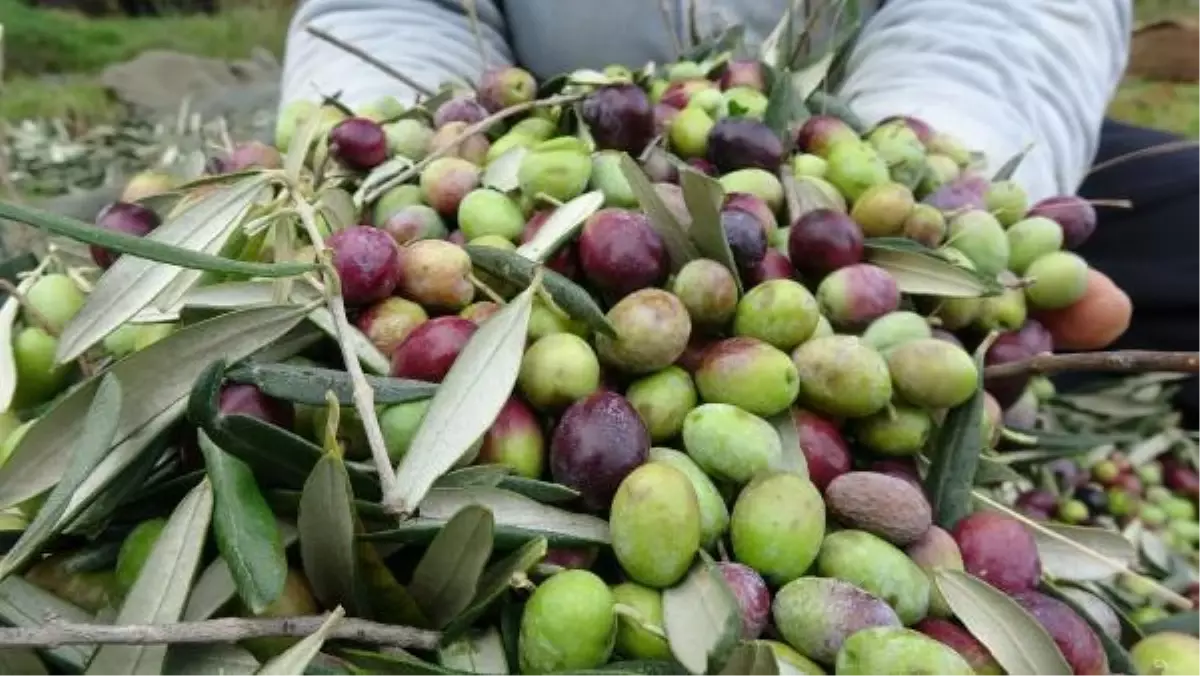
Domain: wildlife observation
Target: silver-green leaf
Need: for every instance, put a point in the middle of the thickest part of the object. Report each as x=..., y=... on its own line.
x=928, y=275
x=162, y=375
x=1018, y=641
x=447, y=576
x=99, y=428
x=501, y=173
x=326, y=523
x=703, y=197
x=561, y=226
x=468, y=401
x=701, y=618
x=295, y=660
x=133, y=283
x=161, y=589
x=680, y=248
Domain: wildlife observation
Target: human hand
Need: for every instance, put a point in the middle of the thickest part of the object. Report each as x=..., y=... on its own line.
x=1095, y=321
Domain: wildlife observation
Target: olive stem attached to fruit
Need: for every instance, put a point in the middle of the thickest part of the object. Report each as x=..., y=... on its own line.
x=224, y=630
x=1117, y=361
x=351, y=49
x=364, y=396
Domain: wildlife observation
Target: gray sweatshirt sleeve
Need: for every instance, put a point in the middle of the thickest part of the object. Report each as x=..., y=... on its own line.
x=998, y=74
x=430, y=41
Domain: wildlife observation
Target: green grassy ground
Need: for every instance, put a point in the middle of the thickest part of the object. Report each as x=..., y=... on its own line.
x=50, y=58
x=72, y=49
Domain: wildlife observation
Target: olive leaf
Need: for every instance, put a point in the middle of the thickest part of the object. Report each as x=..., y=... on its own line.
x=728, y=40
x=99, y=428
x=1119, y=660
x=162, y=375
x=244, y=526
x=649, y=667
x=497, y=579
x=148, y=248
x=388, y=600
x=161, y=589
x=1009, y=168
x=792, y=459
x=516, y=516
x=217, y=658
x=956, y=446
x=775, y=50
x=446, y=578
x=991, y=471
x=479, y=652
x=680, y=248
x=752, y=657
x=703, y=197
x=24, y=604
x=501, y=173
x=924, y=272
x=1018, y=641
x=301, y=142
x=473, y=475
x=395, y=661
x=338, y=208
x=824, y=103
x=308, y=384
x=133, y=283
x=1185, y=623
x=1059, y=548
x=295, y=660
x=326, y=523
x=520, y=271
x=701, y=618
x=215, y=587
x=466, y=404
x=543, y=491
x=561, y=226
x=784, y=103
x=21, y=661
x=381, y=179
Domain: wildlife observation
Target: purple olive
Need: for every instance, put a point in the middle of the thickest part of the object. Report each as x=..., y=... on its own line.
x=620, y=117
x=741, y=143
x=127, y=218
x=459, y=109
x=1076, y=215
x=367, y=262
x=822, y=241
x=358, y=143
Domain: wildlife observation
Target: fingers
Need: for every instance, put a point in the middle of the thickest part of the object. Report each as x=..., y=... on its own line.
x=1095, y=321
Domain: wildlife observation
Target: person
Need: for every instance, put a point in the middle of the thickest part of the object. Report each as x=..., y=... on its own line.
x=1000, y=75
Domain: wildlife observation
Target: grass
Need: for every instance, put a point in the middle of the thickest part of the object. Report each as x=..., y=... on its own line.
x=51, y=58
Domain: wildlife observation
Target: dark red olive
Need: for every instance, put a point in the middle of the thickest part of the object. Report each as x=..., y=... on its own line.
x=358, y=143
x=127, y=218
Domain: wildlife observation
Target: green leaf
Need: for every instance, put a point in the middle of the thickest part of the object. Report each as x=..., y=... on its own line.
x=244, y=527
x=956, y=446
x=338, y=208
x=132, y=283
x=1018, y=641
x=808, y=79
x=680, y=248
x=215, y=588
x=389, y=601
x=495, y=581
x=395, y=662
x=704, y=196
x=146, y=247
x=702, y=619
x=161, y=375
x=99, y=428
x=1186, y=623
x=21, y=661
x=783, y=104
x=1006, y=170
x=466, y=404
x=326, y=523
x=542, y=491
x=649, y=667
x=561, y=226
x=295, y=660
x=792, y=459
x=159, y=594
x=823, y=103
x=1119, y=660
x=520, y=271
x=474, y=475
x=218, y=658
x=446, y=578
x=371, y=358
x=752, y=657
x=480, y=652
x=308, y=384
x=501, y=173
x=301, y=143
x=1064, y=551
x=514, y=515
x=990, y=472
x=925, y=272
x=26, y=605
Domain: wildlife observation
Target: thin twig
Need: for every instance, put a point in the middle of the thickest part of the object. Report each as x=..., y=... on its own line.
x=1160, y=149
x=477, y=128
x=1118, y=361
x=224, y=630
x=355, y=51
x=364, y=396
